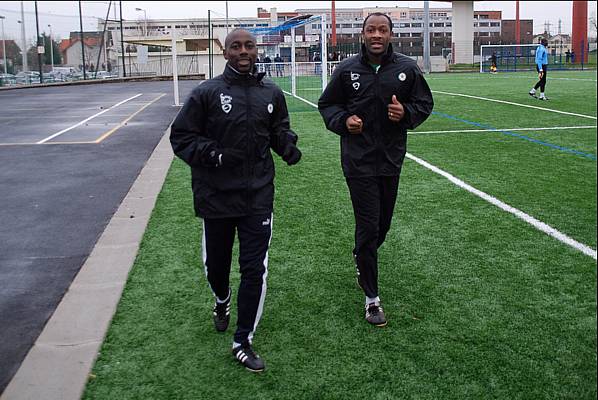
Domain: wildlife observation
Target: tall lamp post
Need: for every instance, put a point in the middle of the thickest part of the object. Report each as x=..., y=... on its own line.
x=145, y=19
x=2, y=17
x=51, y=47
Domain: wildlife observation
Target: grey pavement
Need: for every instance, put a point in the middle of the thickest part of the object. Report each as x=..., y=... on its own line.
x=67, y=235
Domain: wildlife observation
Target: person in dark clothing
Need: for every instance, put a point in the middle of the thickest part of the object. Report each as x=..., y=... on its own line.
x=370, y=102
x=279, y=65
x=225, y=131
x=493, y=68
x=268, y=61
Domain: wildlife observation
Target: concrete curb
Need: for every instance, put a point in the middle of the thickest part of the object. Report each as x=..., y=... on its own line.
x=59, y=363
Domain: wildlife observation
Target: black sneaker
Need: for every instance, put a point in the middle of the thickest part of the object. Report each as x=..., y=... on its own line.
x=246, y=356
x=221, y=315
x=533, y=95
x=543, y=98
x=374, y=314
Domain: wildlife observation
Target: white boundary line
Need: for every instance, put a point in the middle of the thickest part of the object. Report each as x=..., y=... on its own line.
x=86, y=119
x=541, y=226
x=303, y=100
x=552, y=128
x=505, y=207
x=515, y=104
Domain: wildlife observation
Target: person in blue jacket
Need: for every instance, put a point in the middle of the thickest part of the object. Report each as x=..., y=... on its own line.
x=541, y=67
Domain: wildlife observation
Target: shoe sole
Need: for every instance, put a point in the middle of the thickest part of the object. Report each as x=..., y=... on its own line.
x=379, y=325
x=257, y=371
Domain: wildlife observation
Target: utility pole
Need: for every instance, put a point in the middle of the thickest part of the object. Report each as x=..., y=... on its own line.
x=40, y=48
x=122, y=44
x=4, y=44
x=82, y=41
x=51, y=47
x=23, y=40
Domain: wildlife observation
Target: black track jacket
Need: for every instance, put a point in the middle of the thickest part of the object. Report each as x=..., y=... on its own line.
x=355, y=88
x=235, y=112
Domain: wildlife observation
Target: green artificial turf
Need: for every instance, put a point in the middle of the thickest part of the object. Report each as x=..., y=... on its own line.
x=481, y=305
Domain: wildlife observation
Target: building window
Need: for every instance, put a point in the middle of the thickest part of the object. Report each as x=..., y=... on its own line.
x=494, y=23
x=438, y=24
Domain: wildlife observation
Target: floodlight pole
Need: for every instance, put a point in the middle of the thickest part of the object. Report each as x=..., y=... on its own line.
x=38, y=47
x=324, y=55
x=427, y=37
x=293, y=64
x=175, y=69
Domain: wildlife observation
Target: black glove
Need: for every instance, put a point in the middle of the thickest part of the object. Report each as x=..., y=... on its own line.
x=291, y=154
x=225, y=157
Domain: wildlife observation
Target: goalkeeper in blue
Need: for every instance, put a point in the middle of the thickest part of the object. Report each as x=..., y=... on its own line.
x=541, y=67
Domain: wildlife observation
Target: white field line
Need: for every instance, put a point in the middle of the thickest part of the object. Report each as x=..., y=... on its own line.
x=86, y=119
x=505, y=207
x=303, y=100
x=515, y=104
x=551, y=128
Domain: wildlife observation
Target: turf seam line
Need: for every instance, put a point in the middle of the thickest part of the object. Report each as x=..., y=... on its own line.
x=515, y=104
x=527, y=138
x=551, y=128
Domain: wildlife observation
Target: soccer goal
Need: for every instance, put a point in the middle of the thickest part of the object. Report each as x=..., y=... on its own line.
x=296, y=59
x=509, y=58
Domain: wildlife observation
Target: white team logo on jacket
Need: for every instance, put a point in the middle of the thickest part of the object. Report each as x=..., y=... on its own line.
x=355, y=76
x=226, y=102
x=402, y=76
x=270, y=108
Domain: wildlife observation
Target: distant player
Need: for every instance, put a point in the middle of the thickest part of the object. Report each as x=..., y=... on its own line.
x=541, y=67
x=493, y=68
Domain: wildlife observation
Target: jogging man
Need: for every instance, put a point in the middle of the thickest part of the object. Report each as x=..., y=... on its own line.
x=370, y=102
x=224, y=132
x=541, y=67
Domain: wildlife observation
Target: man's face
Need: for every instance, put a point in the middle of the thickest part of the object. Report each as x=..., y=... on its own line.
x=376, y=35
x=241, y=51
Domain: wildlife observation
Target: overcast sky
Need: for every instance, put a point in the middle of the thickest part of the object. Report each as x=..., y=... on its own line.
x=64, y=16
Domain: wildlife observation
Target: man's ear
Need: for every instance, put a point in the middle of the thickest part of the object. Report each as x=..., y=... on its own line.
x=225, y=54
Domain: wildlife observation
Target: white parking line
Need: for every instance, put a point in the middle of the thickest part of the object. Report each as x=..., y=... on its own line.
x=503, y=206
x=551, y=128
x=86, y=119
x=515, y=104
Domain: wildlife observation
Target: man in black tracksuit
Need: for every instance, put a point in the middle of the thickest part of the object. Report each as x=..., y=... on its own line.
x=370, y=102
x=225, y=132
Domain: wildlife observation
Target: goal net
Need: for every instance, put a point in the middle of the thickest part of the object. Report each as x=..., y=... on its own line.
x=294, y=56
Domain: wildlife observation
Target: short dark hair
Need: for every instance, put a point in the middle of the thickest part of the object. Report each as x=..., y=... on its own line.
x=377, y=14
x=544, y=42
x=228, y=39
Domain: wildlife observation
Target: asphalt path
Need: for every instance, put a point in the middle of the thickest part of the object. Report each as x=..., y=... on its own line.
x=68, y=157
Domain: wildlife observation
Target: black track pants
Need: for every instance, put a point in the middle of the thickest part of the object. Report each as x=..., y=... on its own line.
x=217, y=246
x=373, y=201
x=542, y=82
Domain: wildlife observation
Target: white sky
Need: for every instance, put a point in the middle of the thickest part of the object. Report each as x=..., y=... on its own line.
x=64, y=15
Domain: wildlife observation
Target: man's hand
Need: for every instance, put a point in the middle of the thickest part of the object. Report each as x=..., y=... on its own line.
x=395, y=110
x=354, y=124
x=291, y=154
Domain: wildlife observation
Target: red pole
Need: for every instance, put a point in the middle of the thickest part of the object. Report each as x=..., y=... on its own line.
x=517, y=24
x=333, y=24
x=579, y=35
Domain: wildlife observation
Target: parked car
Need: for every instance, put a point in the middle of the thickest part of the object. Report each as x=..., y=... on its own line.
x=25, y=78
x=7, y=80
x=102, y=75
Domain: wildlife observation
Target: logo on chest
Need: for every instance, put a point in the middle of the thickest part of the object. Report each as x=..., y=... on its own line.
x=354, y=77
x=227, y=102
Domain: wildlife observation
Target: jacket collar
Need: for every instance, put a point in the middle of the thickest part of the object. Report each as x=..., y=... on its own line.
x=233, y=76
x=386, y=58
